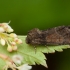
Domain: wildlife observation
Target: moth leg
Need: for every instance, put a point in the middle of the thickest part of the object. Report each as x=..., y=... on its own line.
x=35, y=49
x=45, y=45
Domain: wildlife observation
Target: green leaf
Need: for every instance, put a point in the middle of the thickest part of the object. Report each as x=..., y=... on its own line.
x=52, y=49
x=30, y=55
x=37, y=56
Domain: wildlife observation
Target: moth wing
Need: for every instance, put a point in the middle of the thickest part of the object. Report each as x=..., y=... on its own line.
x=54, y=38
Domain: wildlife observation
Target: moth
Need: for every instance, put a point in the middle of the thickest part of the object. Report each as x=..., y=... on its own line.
x=53, y=36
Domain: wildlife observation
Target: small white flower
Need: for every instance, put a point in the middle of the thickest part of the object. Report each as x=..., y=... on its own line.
x=2, y=41
x=1, y=29
x=25, y=67
x=17, y=59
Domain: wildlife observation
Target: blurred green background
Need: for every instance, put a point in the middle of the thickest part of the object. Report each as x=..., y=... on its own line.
x=28, y=14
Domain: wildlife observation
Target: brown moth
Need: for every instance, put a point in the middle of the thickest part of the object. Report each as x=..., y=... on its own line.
x=54, y=36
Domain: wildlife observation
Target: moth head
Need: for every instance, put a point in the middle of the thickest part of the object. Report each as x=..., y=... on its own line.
x=33, y=36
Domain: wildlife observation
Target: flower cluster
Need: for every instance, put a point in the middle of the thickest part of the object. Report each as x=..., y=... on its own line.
x=9, y=38
x=12, y=64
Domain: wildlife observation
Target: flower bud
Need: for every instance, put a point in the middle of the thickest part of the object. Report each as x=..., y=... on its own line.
x=1, y=29
x=19, y=41
x=7, y=27
x=2, y=41
x=9, y=30
x=9, y=48
x=13, y=43
x=15, y=39
x=14, y=48
x=13, y=35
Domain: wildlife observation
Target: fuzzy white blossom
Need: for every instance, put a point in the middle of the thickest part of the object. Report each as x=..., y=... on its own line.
x=17, y=59
x=24, y=67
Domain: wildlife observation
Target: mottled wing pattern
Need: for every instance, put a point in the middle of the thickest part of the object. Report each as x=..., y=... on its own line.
x=53, y=37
